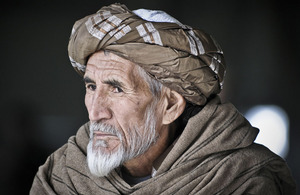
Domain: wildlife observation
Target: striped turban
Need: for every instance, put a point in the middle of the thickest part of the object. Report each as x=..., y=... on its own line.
x=185, y=60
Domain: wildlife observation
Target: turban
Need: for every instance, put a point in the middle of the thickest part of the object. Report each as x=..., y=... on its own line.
x=186, y=60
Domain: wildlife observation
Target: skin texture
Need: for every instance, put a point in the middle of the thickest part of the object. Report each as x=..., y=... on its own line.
x=117, y=95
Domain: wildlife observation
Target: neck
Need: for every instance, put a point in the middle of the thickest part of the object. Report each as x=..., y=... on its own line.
x=142, y=165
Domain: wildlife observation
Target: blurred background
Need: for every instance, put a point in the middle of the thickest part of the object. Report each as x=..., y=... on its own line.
x=42, y=97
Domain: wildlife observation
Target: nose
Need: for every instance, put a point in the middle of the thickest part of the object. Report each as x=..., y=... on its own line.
x=98, y=107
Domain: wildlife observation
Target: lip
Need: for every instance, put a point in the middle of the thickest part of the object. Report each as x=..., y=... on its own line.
x=100, y=134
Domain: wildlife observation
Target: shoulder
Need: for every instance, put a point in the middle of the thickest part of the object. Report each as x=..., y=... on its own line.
x=260, y=171
x=42, y=183
x=55, y=169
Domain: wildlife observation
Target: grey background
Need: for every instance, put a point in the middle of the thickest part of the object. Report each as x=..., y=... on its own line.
x=42, y=97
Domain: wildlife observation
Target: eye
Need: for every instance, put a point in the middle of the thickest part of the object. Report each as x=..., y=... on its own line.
x=91, y=87
x=118, y=90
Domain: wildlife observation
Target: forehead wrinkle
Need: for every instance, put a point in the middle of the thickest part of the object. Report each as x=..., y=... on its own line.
x=120, y=69
x=103, y=66
x=111, y=72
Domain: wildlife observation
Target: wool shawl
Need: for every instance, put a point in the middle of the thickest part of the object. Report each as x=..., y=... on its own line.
x=214, y=154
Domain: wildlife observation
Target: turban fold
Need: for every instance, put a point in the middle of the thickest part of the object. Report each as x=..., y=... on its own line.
x=185, y=60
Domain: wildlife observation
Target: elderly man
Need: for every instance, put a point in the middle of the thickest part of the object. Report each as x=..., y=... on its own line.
x=156, y=124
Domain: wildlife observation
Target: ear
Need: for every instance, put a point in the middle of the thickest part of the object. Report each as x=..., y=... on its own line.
x=174, y=106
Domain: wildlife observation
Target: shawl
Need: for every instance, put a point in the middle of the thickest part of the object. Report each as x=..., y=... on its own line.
x=215, y=154
x=183, y=59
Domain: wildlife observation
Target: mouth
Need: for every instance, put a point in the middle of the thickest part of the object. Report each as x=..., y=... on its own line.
x=108, y=141
x=100, y=134
x=106, y=137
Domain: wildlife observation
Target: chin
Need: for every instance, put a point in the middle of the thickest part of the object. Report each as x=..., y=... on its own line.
x=101, y=161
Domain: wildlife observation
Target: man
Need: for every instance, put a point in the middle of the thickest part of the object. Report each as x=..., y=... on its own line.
x=156, y=124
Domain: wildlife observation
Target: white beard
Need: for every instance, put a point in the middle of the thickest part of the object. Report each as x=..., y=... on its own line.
x=140, y=139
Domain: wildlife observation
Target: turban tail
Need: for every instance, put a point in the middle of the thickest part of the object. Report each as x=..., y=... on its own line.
x=185, y=60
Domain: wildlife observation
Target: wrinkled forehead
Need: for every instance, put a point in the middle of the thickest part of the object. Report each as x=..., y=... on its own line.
x=108, y=60
x=107, y=65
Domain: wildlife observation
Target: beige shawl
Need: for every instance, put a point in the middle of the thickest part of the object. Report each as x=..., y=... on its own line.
x=215, y=154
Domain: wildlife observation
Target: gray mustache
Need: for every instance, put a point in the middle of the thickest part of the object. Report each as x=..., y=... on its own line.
x=98, y=126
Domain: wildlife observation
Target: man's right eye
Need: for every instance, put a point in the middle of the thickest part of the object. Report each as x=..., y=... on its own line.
x=91, y=87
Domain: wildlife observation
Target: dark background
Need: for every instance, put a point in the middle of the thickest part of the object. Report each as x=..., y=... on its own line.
x=42, y=96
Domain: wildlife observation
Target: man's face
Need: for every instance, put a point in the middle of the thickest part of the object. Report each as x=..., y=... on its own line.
x=117, y=100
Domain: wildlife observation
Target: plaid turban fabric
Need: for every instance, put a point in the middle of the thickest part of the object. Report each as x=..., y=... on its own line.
x=185, y=60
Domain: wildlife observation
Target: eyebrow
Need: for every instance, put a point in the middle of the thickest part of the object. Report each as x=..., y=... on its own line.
x=111, y=82
x=114, y=83
x=88, y=80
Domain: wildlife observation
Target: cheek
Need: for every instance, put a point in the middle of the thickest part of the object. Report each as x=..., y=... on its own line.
x=127, y=115
x=132, y=109
x=87, y=101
